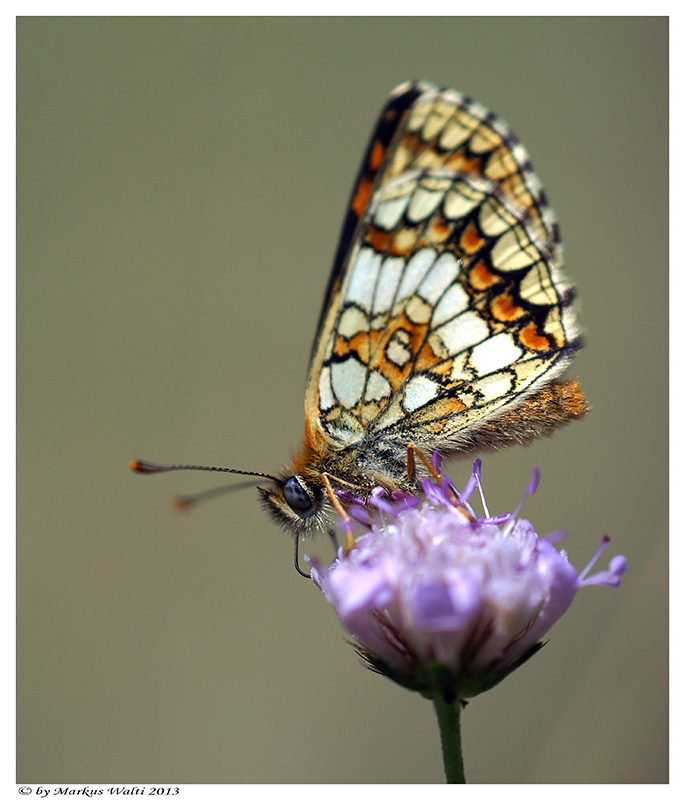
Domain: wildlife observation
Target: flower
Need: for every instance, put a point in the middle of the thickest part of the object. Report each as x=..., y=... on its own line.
x=446, y=603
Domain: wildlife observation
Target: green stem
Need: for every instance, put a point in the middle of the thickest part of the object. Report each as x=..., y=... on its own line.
x=450, y=738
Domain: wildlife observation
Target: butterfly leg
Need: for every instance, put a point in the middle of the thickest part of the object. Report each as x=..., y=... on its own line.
x=337, y=505
x=412, y=451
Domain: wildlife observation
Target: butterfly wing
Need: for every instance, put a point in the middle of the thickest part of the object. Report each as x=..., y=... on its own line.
x=447, y=307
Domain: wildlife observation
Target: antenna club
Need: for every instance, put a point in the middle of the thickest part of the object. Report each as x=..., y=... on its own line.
x=145, y=467
x=181, y=503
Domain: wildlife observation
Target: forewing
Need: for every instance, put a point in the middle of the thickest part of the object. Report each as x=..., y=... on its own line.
x=447, y=303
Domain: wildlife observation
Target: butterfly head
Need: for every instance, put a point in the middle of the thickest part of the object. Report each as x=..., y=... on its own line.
x=296, y=503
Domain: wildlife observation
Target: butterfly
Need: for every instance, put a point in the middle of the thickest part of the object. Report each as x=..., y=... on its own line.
x=447, y=320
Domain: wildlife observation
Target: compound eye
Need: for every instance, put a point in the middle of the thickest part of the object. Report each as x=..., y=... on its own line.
x=295, y=496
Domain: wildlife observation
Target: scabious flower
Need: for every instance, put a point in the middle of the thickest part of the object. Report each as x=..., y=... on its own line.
x=446, y=603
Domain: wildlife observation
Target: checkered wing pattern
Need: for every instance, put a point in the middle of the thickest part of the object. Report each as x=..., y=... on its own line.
x=447, y=304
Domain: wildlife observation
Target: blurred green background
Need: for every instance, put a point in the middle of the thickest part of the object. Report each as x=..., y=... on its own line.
x=181, y=186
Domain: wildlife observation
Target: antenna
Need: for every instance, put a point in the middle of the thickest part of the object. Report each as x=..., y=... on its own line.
x=148, y=468
x=184, y=502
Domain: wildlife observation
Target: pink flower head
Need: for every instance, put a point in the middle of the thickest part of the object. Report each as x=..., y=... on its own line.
x=443, y=602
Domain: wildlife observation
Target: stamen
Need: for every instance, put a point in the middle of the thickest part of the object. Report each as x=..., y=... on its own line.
x=469, y=486
x=499, y=519
x=360, y=515
x=404, y=501
x=608, y=577
x=530, y=489
x=475, y=472
x=605, y=541
x=377, y=499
